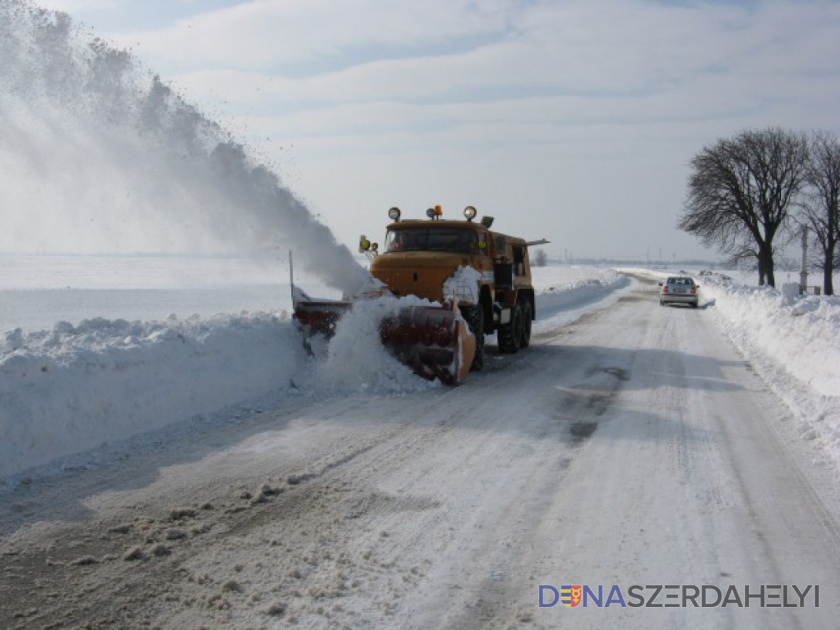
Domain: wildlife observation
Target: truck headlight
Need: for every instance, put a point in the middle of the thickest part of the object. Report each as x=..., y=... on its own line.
x=470, y=212
x=394, y=214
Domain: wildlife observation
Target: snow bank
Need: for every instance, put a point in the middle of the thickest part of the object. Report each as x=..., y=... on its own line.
x=72, y=388
x=802, y=334
x=561, y=303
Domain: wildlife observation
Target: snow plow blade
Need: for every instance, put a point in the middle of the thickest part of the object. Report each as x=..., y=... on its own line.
x=434, y=341
x=314, y=317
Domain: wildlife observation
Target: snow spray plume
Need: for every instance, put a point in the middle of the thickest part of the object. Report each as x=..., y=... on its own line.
x=96, y=155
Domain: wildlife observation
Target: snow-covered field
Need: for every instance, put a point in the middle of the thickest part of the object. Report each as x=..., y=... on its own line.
x=102, y=349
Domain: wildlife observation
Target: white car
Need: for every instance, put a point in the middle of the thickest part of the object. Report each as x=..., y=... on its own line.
x=679, y=290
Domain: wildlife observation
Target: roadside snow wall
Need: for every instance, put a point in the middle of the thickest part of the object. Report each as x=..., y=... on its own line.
x=794, y=343
x=71, y=389
x=802, y=334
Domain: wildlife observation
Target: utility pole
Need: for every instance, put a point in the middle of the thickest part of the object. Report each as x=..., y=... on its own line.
x=803, y=273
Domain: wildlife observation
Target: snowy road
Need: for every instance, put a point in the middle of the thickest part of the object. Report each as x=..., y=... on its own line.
x=634, y=447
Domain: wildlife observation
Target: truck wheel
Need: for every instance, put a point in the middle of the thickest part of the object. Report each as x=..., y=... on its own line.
x=526, y=325
x=510, y=334
x=475, y=320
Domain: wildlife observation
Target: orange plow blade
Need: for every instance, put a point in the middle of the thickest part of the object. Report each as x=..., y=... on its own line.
x=434, y=341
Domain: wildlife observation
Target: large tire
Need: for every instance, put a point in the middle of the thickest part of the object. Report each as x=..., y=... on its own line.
x=475, y=320
x=527, y=317
x=510, y=334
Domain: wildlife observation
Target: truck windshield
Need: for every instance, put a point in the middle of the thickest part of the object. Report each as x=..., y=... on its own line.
x=432, y=238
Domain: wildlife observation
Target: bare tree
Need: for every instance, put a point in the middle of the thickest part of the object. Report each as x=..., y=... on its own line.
x=821, y=209
x=741, y=191
x=540, y=258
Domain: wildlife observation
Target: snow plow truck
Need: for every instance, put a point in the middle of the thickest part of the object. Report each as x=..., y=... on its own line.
x=471, y=282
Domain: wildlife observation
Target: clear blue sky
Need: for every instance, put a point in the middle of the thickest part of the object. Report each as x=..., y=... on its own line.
x=568, y=120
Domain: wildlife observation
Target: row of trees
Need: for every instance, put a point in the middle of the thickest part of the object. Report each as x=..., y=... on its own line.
x=751, y=194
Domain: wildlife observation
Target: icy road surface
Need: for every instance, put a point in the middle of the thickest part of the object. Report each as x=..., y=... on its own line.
x=634, y=447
